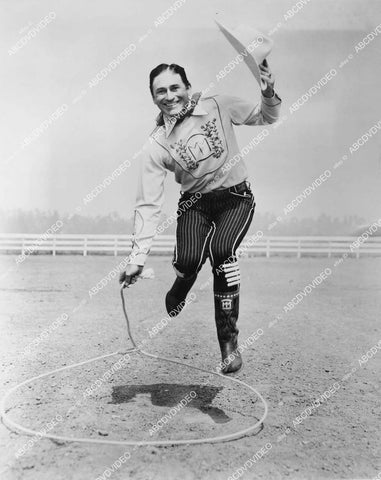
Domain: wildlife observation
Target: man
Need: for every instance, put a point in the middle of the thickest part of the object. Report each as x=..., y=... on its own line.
x=194, y=138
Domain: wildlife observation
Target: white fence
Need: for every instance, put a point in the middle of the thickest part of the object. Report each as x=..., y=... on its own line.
x=29, y=244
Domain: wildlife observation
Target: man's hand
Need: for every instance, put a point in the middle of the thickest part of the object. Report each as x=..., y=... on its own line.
x=131, y=275
x=266, y=76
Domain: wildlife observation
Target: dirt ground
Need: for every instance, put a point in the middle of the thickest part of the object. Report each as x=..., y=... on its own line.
x=316, y=347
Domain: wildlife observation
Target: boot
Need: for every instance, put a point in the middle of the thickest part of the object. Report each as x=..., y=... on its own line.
x=226, y=313
x=175, y=298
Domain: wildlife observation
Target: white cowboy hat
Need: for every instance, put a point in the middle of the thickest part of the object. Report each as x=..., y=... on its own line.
x=251, y=43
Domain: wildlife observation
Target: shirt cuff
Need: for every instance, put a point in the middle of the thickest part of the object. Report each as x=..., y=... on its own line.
x=272, y=101
x=137, y=259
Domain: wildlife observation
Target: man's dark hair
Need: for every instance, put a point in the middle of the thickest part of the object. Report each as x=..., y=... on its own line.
x=165, y=66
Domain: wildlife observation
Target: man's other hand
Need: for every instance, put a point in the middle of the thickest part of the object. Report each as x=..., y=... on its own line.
x=131, y=275
x=267, y=78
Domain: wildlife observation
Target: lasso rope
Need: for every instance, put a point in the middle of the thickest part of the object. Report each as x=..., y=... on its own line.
x=222, y=438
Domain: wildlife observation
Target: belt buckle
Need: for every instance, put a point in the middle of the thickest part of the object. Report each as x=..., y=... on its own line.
x=246, y=186
x=241, y=188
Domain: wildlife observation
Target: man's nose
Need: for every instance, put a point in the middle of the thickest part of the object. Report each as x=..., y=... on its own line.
x=170, y=95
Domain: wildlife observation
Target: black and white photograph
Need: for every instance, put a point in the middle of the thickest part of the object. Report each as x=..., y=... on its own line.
x=190, y=240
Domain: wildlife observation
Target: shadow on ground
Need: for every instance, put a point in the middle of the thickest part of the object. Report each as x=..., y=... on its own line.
x=170, y=395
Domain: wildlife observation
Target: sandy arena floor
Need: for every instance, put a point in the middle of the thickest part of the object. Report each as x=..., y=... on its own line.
x=314, y=348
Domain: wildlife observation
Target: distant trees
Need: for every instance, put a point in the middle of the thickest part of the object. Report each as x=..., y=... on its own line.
x=30, y=221
x=37, y=221
x=323, y=225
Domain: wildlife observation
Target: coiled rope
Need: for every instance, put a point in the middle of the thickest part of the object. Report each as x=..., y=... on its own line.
x=221, y=438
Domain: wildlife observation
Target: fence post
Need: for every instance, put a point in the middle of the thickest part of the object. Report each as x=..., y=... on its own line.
x=54, y=246
x=329, y=249
x=23, y=246
x=268, y=248
x=299, y=252
x=85, y=246
x=115, y=246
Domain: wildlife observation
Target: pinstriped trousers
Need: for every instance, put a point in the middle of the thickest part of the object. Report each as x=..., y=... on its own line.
x=213, y=226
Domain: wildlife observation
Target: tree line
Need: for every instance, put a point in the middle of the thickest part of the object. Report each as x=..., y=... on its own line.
x=39, y=221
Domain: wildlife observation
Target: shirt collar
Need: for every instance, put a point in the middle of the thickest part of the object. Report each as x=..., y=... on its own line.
x=169, y=121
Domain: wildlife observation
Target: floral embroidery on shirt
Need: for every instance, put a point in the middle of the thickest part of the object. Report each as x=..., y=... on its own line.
x=181, y=150
x=211, y=132
x=200, y=146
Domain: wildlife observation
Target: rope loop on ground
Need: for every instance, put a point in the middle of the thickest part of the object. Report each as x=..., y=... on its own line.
x=11, y=424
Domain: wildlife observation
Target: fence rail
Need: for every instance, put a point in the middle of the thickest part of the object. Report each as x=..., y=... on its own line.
x=28, y=244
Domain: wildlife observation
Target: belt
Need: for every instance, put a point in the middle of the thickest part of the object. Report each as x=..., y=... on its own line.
x=239, y=188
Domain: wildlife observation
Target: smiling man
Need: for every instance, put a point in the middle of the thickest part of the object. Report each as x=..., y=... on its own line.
x=169, y=92
x=195, y=140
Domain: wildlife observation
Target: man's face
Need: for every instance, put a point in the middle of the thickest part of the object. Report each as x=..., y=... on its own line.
x=169, y=92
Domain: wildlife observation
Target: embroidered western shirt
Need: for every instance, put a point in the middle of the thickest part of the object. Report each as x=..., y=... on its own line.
x=202, y=152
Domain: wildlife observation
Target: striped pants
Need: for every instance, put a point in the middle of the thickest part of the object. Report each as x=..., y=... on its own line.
x=214, y=225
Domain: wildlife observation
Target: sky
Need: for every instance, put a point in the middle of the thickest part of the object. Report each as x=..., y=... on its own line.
x=107, y=124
